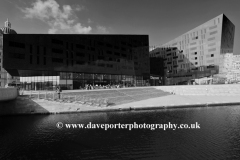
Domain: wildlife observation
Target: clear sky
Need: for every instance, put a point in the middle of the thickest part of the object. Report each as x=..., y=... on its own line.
x=162, y=20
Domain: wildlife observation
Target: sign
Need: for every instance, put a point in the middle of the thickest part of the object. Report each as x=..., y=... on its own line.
x=151, y=77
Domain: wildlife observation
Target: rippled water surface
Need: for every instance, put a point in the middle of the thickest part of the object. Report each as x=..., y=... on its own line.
x=36, y=137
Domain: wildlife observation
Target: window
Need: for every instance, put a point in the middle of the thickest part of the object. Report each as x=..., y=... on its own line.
x=31, y=58
x=67, y=54
x=100, y=57
x=44, y=60
x=214, y=32
x=211, y=44
x=213, y=49
x=196, y=63
x=16, y=44
x=56, y=41
x=57, y=60
x=80, y=46
x=109, y=45
x=193, y=48
x=37, y=49
x=210, y=39
x=30, y=48
x=215, y=26
x=17, y=55
x=109, y=52
x=37, y=59
x=117, y=54
x=212, y=55
x=80, y=62
x=59, y=51
x=195, y=58
x=44, y=51
x=123, y=49
x=80, y=54
x=100, y=43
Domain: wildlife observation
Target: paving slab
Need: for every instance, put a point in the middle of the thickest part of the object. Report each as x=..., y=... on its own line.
x=25, y=105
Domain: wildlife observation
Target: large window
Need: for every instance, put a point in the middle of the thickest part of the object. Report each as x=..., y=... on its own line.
x=16, y=44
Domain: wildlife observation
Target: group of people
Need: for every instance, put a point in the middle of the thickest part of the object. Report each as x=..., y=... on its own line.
x=108, y=86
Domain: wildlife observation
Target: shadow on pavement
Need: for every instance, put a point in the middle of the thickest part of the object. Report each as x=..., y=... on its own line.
x=21, y=105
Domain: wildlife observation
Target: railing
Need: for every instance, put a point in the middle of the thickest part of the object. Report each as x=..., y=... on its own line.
x=53, y=96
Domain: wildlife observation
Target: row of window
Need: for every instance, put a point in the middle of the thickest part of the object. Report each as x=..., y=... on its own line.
x=16, y=44
x=81, y=46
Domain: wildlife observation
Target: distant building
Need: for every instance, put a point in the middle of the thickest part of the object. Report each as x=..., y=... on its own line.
x=231, y=69
x=198, y=53
x=6, y=78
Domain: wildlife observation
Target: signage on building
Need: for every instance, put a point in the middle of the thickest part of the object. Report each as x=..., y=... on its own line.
x=152, y=77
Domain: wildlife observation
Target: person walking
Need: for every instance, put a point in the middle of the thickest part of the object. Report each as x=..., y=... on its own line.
x=58, y=90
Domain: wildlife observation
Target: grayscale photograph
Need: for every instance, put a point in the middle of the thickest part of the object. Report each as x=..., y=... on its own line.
x=119, y=79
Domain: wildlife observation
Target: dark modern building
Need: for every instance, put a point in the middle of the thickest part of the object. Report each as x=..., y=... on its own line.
x=156, y=71
x=43, y=61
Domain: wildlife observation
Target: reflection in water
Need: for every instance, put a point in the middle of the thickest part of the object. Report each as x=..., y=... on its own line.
x=36, y=137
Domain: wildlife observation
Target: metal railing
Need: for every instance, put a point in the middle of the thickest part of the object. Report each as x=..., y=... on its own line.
x=62, y=98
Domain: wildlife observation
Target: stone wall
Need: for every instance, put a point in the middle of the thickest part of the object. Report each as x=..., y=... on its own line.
x=8, y=94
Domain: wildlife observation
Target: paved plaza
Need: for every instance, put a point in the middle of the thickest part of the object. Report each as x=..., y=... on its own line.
x=182, y=96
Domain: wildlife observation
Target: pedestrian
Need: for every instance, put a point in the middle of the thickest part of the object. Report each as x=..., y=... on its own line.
x=58, y=90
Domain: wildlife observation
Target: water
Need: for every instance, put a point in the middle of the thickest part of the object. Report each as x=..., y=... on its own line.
x=36, y=137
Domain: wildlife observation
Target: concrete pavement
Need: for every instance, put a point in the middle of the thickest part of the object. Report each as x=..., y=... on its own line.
x=199, y=97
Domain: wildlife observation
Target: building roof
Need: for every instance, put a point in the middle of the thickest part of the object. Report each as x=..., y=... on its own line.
x=7, y=29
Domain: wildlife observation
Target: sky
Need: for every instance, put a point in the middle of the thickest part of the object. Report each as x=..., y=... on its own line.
x=162, y=20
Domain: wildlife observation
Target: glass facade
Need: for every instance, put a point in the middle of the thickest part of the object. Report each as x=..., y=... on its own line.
x=69, y=81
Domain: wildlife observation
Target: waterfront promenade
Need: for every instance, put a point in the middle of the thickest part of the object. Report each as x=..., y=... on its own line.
x=180, y=97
